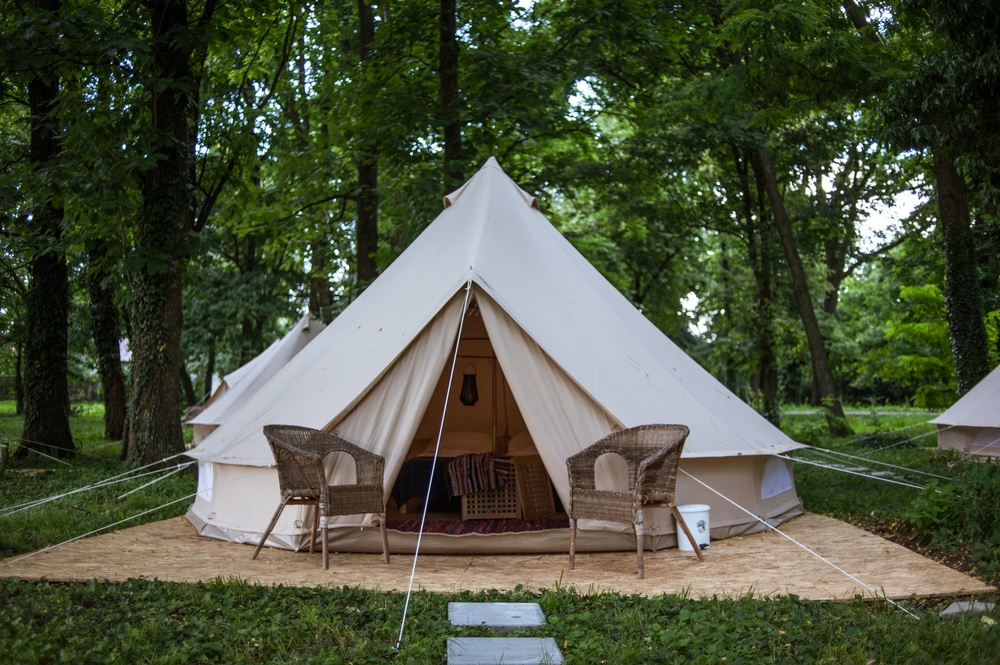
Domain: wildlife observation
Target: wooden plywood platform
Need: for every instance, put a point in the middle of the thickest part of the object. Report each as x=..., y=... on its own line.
x=763, y=564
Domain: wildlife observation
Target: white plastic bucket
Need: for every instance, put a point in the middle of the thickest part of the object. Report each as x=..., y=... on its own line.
x=695, y=515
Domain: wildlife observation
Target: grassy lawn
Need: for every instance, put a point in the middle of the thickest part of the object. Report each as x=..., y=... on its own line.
x=894, y=448
x=121, y=498
x=229, y=621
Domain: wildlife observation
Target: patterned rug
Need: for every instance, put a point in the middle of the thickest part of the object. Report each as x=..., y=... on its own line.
x=461, y=527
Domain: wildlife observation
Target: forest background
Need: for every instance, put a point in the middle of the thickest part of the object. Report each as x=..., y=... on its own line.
x=803, y=195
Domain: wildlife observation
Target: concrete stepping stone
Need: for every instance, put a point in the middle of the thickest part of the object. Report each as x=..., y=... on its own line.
x=961, y=607
x=502, y=616
x=503, y=651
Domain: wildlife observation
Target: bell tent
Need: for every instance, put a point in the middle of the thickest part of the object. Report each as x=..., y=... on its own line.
x=972, y=424
x=241, y=383
x=492, y=333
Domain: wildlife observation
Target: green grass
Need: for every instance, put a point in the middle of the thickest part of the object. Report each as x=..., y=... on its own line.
x=79, y=496
x=230, y=621
x=225, y=621
x=880, y=439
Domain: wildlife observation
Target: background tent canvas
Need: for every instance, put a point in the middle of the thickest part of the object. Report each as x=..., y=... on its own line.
x=241, y=383
x=574, y=359
x=972, y=424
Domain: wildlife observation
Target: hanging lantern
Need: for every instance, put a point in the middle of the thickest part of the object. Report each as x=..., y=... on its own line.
x=470, y=393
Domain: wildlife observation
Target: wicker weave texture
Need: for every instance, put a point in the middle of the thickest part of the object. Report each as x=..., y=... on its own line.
x=651, y=452
x=499, y=503
x=299, y=453
x=534, y=488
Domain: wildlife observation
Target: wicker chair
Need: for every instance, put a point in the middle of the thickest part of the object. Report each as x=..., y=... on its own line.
x=652, y=453
x=299, y=453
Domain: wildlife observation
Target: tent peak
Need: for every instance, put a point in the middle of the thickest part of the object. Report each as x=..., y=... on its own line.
x=490, y=168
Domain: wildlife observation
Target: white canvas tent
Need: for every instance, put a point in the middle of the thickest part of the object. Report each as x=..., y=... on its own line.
x=972, y=424
x=237, y=386
x=572, y=358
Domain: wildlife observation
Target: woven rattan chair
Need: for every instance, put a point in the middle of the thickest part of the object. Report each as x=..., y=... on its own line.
x=652, y=453
x=299, y=453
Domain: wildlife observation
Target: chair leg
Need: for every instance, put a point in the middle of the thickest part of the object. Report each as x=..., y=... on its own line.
x=312, y=534
x=687, y=532
x=638, y=549
x=270, y=526
x=572, y=543
x=385, y=537
x=326, y=554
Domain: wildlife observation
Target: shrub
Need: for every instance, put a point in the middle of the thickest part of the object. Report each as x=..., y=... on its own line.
x=880, y=440
x=965, y=513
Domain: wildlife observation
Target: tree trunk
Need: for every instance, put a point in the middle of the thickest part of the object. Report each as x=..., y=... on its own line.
x=859, y=19
x=19, y=382
x=46, y=390
x=166, y=216
x=106, y=328
x=367, y=225
x=448, y=96
x=252, y=331
x=320, y=297
x=760, y=251
x=963, y=296
x=206, y=391
x=800, y=286
x=187, y=388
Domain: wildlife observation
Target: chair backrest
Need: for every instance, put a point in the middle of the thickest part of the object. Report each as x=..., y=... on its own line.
x=651, y=452
x=299, y=453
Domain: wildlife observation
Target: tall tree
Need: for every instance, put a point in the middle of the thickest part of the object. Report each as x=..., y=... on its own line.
x=941, y=99
x=367, y=200
x=46, y=389
x=963, y=294
x=753, y=210
x=165, y=220
x=743, y=79
x=453, y=172
x=822, y=373
x=107, y=333
x=793, y=66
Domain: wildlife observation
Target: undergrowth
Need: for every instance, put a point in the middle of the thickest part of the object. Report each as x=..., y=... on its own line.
x=964, y=514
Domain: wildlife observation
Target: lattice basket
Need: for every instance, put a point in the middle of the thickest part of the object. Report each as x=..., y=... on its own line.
x=534, y=489
x=493, y=504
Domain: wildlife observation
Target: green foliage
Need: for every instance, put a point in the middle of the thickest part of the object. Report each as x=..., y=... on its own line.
x=894, y=337
x=633, y=134
x=880, y=440
x=917, y=344
x=965, y=513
